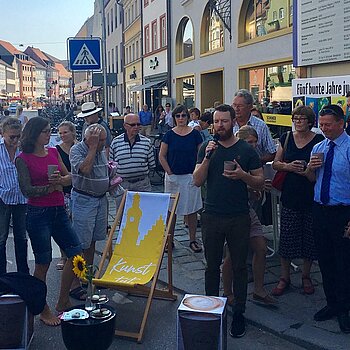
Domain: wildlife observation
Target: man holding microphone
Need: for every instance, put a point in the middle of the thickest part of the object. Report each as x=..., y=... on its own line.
x=226, y=209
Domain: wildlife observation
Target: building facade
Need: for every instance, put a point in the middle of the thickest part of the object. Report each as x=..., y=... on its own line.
x=221, y=46
x=155, y=52
x=133, y=67
x=115, y=52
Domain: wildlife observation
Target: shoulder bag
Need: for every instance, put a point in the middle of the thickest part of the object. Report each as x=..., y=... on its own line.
x=278, y=179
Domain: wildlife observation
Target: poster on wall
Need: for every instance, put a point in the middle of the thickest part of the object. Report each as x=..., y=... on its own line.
x=320, y=92
x=320, y=31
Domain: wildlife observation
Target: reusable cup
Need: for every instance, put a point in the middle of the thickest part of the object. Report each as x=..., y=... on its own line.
x=51, y=169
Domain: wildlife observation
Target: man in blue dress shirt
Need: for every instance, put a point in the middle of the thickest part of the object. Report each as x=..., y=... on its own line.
x=146, y=119
x=330, y=167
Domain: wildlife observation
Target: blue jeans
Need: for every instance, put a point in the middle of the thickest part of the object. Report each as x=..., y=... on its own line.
x=18, y=213
x=46, y=222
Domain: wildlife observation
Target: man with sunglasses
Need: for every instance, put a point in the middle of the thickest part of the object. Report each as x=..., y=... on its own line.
x=329, y=166
x=12, y=201
x=134, y=154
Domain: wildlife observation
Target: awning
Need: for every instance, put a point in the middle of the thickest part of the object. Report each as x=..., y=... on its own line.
x=152, y=84
x=93, y=89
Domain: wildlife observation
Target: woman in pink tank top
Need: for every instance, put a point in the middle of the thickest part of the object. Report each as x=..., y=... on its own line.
x=42, y=176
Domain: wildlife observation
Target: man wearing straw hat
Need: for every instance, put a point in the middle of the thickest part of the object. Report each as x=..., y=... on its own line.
x=90, y=113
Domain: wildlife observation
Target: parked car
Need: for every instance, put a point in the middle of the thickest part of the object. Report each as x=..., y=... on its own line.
x=12, y=108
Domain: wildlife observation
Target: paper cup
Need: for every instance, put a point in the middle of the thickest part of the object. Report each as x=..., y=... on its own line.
x=320, y=156
x=229, y=165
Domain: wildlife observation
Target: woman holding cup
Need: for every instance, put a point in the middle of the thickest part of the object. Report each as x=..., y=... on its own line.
x=67, y=133
x=296, y=238
x=46, y=215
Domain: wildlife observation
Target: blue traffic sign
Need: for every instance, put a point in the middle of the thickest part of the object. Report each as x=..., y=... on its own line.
x=84, y=53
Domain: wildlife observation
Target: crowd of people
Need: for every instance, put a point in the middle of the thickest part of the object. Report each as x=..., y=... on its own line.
x=60, y=193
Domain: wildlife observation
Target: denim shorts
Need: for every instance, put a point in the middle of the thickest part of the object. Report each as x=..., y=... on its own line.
x=46, y=222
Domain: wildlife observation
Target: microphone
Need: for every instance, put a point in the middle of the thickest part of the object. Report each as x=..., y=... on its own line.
x=216, y=139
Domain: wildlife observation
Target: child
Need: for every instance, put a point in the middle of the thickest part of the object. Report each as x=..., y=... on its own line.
x=257, y=240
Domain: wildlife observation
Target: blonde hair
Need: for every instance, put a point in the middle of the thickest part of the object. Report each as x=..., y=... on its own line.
x=245, y=131
x=70, y=126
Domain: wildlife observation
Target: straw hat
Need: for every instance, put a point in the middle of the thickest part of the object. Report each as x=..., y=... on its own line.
x=87, y=109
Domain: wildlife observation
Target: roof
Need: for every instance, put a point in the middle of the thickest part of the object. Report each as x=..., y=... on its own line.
x=9, y=47
x=26, y=62
x=62, y=72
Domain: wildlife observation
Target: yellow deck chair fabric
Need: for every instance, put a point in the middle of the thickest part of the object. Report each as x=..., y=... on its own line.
x=144, y=233
x=140, y=240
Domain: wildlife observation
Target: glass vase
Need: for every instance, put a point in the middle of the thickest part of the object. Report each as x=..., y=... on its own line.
x=89, y=305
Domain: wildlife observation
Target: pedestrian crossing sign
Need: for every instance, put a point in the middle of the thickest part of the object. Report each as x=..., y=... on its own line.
x=84, y=54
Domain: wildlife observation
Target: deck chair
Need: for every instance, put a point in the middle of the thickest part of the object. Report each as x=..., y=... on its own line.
x=137, y=256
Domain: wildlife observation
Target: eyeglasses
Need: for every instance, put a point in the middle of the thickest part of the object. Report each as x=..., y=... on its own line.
x=325, y=111
x=133, y=124
x=13, y=137
x=298, y=118
x=46, y=131
x=181, y=115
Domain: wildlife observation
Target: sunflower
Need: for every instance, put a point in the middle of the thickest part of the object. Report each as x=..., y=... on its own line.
x=79, y=266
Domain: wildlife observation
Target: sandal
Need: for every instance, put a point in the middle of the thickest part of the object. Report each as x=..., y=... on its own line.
x=60, y=264
x=278, y=291
x=310, y=289
x=78, y=293
x=266, y=300
x=194, y=245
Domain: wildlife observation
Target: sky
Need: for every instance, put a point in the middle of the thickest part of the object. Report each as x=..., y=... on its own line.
x=45, y=24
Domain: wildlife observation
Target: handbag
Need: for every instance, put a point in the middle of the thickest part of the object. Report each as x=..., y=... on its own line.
x=280, y=176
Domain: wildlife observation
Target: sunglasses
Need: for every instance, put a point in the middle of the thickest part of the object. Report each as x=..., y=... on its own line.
x=13, y=137
x=133, y=124
x=325, y=111
x=182, y=115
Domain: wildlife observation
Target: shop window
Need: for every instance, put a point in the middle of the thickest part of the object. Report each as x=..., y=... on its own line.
x=263, y=17
x=184, y=40
x=185, y=91
x=212, y=31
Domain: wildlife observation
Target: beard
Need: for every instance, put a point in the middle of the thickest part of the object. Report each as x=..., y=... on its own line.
x=225, y=134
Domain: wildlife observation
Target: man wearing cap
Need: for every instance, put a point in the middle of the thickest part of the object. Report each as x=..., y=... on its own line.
x=90, y=180
x=89, y=112
x=146, y=121
x=329, y=166
x=134, y=154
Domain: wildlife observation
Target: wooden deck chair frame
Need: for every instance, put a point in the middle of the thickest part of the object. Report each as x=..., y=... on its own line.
x=142, y=290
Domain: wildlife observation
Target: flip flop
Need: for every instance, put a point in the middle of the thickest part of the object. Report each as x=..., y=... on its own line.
x=78, y=293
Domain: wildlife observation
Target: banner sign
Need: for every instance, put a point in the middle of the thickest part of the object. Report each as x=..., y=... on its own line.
x=320, y=31
x=320, y=92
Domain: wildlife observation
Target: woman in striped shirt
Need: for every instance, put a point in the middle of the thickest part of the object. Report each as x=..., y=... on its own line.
x=12, y=201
